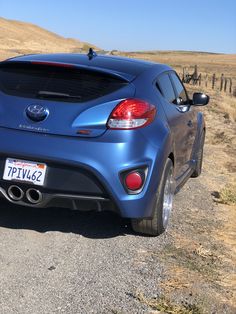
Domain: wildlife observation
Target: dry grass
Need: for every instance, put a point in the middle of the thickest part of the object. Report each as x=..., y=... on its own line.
x=220, y=102
x=228, y=195
x=229, y=107
x=223, y=103
x=164, y=305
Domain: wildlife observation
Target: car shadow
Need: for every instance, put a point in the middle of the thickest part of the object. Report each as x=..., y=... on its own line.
x=88, y=224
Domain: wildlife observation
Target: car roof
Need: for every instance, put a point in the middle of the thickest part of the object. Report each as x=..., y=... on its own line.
x=126, y=67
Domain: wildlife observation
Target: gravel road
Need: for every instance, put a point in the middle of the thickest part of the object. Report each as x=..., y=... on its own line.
x=60, y=261
x=55, y=261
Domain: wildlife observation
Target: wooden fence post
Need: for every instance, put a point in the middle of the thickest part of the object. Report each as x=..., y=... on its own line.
x=199, y=79
x=213, y=80
x=225, y=87
x=183, y=77
x=206, y=80
x=230, y=85
x=195, y=75
x=221, y=81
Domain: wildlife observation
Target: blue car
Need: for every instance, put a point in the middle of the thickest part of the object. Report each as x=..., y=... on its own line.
x=96, y=132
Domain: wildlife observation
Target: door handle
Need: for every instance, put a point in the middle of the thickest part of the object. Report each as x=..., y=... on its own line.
x=190, y=123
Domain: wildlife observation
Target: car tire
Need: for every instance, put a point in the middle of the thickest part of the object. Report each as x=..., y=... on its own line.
x=162, y=206
x=199, y=157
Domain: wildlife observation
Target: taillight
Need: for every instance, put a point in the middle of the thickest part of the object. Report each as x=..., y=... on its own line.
x=131, y=114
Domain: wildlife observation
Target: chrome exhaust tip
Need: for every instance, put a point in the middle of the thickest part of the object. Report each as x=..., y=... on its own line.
x=34, y=196
x=15, y=193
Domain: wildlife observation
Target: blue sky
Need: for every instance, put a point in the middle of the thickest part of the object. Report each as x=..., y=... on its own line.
x=131, y=25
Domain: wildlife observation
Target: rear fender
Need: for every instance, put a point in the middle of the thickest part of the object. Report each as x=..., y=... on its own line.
x=158, y=168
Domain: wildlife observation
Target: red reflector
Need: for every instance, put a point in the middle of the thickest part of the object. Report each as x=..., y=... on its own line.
x=84, y=132
x=134, y=181
x=55, y=64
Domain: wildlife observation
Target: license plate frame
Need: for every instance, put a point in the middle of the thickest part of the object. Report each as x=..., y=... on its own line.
x=25, y=171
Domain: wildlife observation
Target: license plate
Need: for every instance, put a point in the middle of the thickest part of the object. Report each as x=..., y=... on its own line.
x=25, y=171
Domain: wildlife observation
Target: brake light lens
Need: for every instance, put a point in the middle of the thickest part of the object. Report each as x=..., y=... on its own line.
x=55, y=64
x=131, y=114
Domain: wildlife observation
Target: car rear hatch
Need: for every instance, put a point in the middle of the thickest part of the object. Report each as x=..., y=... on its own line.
x=59, y=98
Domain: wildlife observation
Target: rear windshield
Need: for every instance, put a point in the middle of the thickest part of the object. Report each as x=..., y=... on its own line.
x=60, y=83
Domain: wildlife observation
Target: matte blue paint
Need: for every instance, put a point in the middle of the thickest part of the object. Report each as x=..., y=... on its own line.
x=105, y=153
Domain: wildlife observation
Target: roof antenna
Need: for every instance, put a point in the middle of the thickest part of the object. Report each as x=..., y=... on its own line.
x=91, y=54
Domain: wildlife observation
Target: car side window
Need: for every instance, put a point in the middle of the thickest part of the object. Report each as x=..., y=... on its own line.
x=165, y=87
x=182, y=97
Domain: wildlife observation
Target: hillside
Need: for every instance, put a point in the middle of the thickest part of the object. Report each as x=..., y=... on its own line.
x=19, y=37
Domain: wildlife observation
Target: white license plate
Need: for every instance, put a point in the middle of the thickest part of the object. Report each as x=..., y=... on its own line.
x=26, y=171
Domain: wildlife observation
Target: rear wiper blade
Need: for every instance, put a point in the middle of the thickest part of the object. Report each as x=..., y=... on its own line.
x=48, y=94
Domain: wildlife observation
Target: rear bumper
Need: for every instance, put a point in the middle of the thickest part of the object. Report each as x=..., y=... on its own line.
x=82, y=170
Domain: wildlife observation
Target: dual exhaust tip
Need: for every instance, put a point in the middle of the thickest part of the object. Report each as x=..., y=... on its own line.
x=16, y=194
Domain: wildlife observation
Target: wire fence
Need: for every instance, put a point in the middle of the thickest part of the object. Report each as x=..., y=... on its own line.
x=221, y=82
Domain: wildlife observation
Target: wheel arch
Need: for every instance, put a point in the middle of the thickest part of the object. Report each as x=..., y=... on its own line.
x=172, y=158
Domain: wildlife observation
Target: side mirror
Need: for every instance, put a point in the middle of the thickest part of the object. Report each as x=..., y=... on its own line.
x=200, y=99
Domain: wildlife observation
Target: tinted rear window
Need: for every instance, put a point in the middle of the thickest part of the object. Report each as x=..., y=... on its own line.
x=30, y=80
